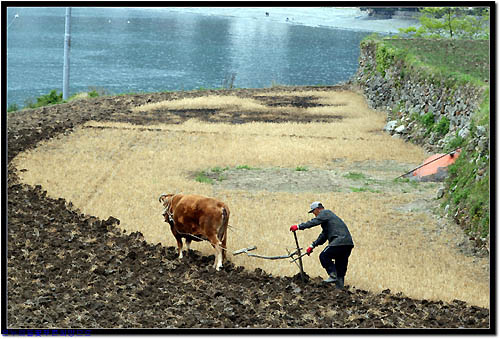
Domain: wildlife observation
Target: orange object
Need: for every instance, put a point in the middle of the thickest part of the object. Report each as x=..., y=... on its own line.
x=433, y=163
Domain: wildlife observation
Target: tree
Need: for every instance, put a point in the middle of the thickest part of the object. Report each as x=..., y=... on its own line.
x=452, y=23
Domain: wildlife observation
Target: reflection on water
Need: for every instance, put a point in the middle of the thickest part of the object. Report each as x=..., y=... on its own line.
x=145, y=50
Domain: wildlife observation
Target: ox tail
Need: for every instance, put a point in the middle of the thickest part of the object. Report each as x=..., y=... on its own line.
x=221, y=234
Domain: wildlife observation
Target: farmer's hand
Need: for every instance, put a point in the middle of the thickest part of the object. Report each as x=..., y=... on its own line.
x=293, y=228
x=309, y=250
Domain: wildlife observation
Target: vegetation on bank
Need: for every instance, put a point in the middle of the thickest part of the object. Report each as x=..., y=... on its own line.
x=451, y=43
x=451, y=23
x=469, y=181
x=54, y=98
x=451, y=63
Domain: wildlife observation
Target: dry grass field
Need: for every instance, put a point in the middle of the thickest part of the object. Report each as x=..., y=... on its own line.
x=119, y=169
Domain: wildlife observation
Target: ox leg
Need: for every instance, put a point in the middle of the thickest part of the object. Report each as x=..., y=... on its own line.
x=179, y=246
x=218, y=253
x=188, y=245
x=224, y=247
x=218, y=258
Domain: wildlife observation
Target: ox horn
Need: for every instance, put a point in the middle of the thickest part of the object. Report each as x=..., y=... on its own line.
x=161, y=196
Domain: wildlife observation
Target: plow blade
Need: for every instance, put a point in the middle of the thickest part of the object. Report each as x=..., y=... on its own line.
x=245, y=250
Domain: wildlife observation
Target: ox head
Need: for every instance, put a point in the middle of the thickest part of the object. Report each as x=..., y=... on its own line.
x=166, y=200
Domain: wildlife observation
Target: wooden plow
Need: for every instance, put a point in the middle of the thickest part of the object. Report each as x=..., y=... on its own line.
x=277, y=257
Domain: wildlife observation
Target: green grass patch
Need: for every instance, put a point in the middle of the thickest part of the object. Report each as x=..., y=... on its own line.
x=442, y=127
x=454, y=143
x=364, y=189
x=462, y=60
x=468, y=183
x=469, y=189
x=301, y=169
x=482, y=118
x=412, y=183
x=355, y=176
x=203, y=178
x=212, y=175
x=218, y=169
x=246, y=167
x=427, y=120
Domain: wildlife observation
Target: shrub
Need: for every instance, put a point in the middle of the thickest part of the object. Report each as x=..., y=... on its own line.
x=12, y=108
x=93, y=94
x=49, y=99
x=427, y=120
x=456, y=142
x=385, y=57
x=442, y=127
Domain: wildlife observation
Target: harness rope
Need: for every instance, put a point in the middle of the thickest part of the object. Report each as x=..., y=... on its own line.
x=168, y=211
x=263, y=240
x=170, y=214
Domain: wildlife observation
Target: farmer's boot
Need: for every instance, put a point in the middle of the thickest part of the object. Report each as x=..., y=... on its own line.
x=332, y=277
x=339, y=283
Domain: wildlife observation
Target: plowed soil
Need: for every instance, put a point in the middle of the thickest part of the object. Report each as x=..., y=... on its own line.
x=69, y=270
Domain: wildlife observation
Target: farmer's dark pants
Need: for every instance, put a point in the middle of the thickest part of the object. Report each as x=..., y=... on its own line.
x=335, y=259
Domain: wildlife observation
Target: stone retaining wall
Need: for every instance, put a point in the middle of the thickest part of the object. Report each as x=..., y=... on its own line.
x=405, y=95
x=409, y=95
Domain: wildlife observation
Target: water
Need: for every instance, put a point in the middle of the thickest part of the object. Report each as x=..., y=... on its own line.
x=124, y=50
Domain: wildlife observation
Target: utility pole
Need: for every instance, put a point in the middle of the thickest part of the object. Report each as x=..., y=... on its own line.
x=67, y=44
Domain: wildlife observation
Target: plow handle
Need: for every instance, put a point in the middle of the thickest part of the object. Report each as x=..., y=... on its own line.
x=300, y=257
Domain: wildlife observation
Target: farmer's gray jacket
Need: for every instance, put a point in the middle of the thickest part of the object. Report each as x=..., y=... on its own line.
x=334, y=229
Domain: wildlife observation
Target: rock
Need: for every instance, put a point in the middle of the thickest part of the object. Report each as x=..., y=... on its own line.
x=440, y=193
x=483, y=144
x=390, y=126
x=481, y=130
x=400, y=129
x=463, y=132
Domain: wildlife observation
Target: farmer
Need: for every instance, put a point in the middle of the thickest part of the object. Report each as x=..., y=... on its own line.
x=335, y=256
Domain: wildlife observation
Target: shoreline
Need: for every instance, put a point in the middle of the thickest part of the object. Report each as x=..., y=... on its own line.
x=343, y=18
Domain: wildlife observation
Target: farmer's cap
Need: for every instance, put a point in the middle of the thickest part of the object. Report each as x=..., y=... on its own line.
x=315, y=205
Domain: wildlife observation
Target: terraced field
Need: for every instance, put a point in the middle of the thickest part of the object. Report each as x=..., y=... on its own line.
x=86, y=236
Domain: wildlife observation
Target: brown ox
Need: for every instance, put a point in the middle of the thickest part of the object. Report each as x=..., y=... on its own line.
x=196, y=217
